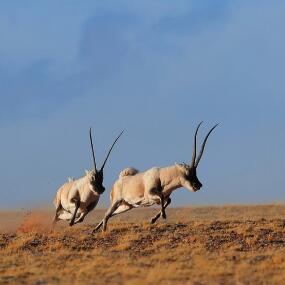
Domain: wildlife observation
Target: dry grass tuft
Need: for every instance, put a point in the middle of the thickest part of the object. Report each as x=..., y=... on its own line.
x=198, y=245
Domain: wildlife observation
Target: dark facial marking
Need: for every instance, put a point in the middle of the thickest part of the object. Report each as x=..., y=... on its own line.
x=193, y=179
x=97, y=182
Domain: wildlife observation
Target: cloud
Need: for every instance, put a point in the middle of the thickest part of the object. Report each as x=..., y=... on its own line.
x=154, y=70
x=47, y=69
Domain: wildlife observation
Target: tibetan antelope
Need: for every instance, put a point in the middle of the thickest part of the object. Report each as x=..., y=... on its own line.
x=76, y=198
x=154, y=186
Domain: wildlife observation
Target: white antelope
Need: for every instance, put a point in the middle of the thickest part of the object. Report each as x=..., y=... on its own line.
x=76, y=198
x=154, y=186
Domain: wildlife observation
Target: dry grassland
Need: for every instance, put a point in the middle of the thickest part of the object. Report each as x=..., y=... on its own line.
x=196, y=245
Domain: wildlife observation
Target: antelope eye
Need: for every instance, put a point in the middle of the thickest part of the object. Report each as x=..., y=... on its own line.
x=190, y=175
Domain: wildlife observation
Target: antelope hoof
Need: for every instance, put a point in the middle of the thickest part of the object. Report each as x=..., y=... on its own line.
x=153, y=220
x=95, y=230
x=71, y=224
x=163, y=215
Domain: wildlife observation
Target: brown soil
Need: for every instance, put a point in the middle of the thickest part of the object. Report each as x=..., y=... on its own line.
x=195, y=245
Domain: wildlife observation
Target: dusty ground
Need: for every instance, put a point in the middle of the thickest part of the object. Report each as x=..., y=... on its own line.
x=196, y=245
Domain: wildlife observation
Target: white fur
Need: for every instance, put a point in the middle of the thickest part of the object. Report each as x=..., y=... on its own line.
x=80, y=190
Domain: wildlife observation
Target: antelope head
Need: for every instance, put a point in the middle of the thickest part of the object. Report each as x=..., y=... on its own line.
x=189, y=178
x=96, y=176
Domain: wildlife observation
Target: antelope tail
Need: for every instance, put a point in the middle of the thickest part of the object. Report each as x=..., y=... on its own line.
x=130, y=171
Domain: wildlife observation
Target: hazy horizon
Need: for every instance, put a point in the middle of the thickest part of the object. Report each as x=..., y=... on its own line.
x=154, y=69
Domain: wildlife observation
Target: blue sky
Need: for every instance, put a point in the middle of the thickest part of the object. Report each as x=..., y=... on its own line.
x=155, y=69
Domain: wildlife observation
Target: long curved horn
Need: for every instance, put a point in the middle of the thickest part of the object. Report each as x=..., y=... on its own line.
x=93, y=153
x=195, y=145
x=203, y=146
x=110, y=151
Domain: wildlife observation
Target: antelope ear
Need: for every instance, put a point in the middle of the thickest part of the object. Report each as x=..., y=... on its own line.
x=179, y=165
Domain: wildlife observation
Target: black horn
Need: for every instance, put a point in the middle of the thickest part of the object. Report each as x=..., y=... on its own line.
x=195, y=146
x=93, y=153
x=110, y=151
x=203, y=146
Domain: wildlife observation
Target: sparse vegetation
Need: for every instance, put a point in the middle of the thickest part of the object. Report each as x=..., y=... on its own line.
x=196, y=245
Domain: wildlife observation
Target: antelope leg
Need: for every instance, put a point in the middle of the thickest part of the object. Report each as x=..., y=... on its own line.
x=109, y=214
x=158, y=191
x=121, y=209
x=77, y=204
x=157, y=216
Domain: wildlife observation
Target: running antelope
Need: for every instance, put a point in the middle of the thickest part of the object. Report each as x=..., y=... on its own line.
x=76, y=198
x=154, y=186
